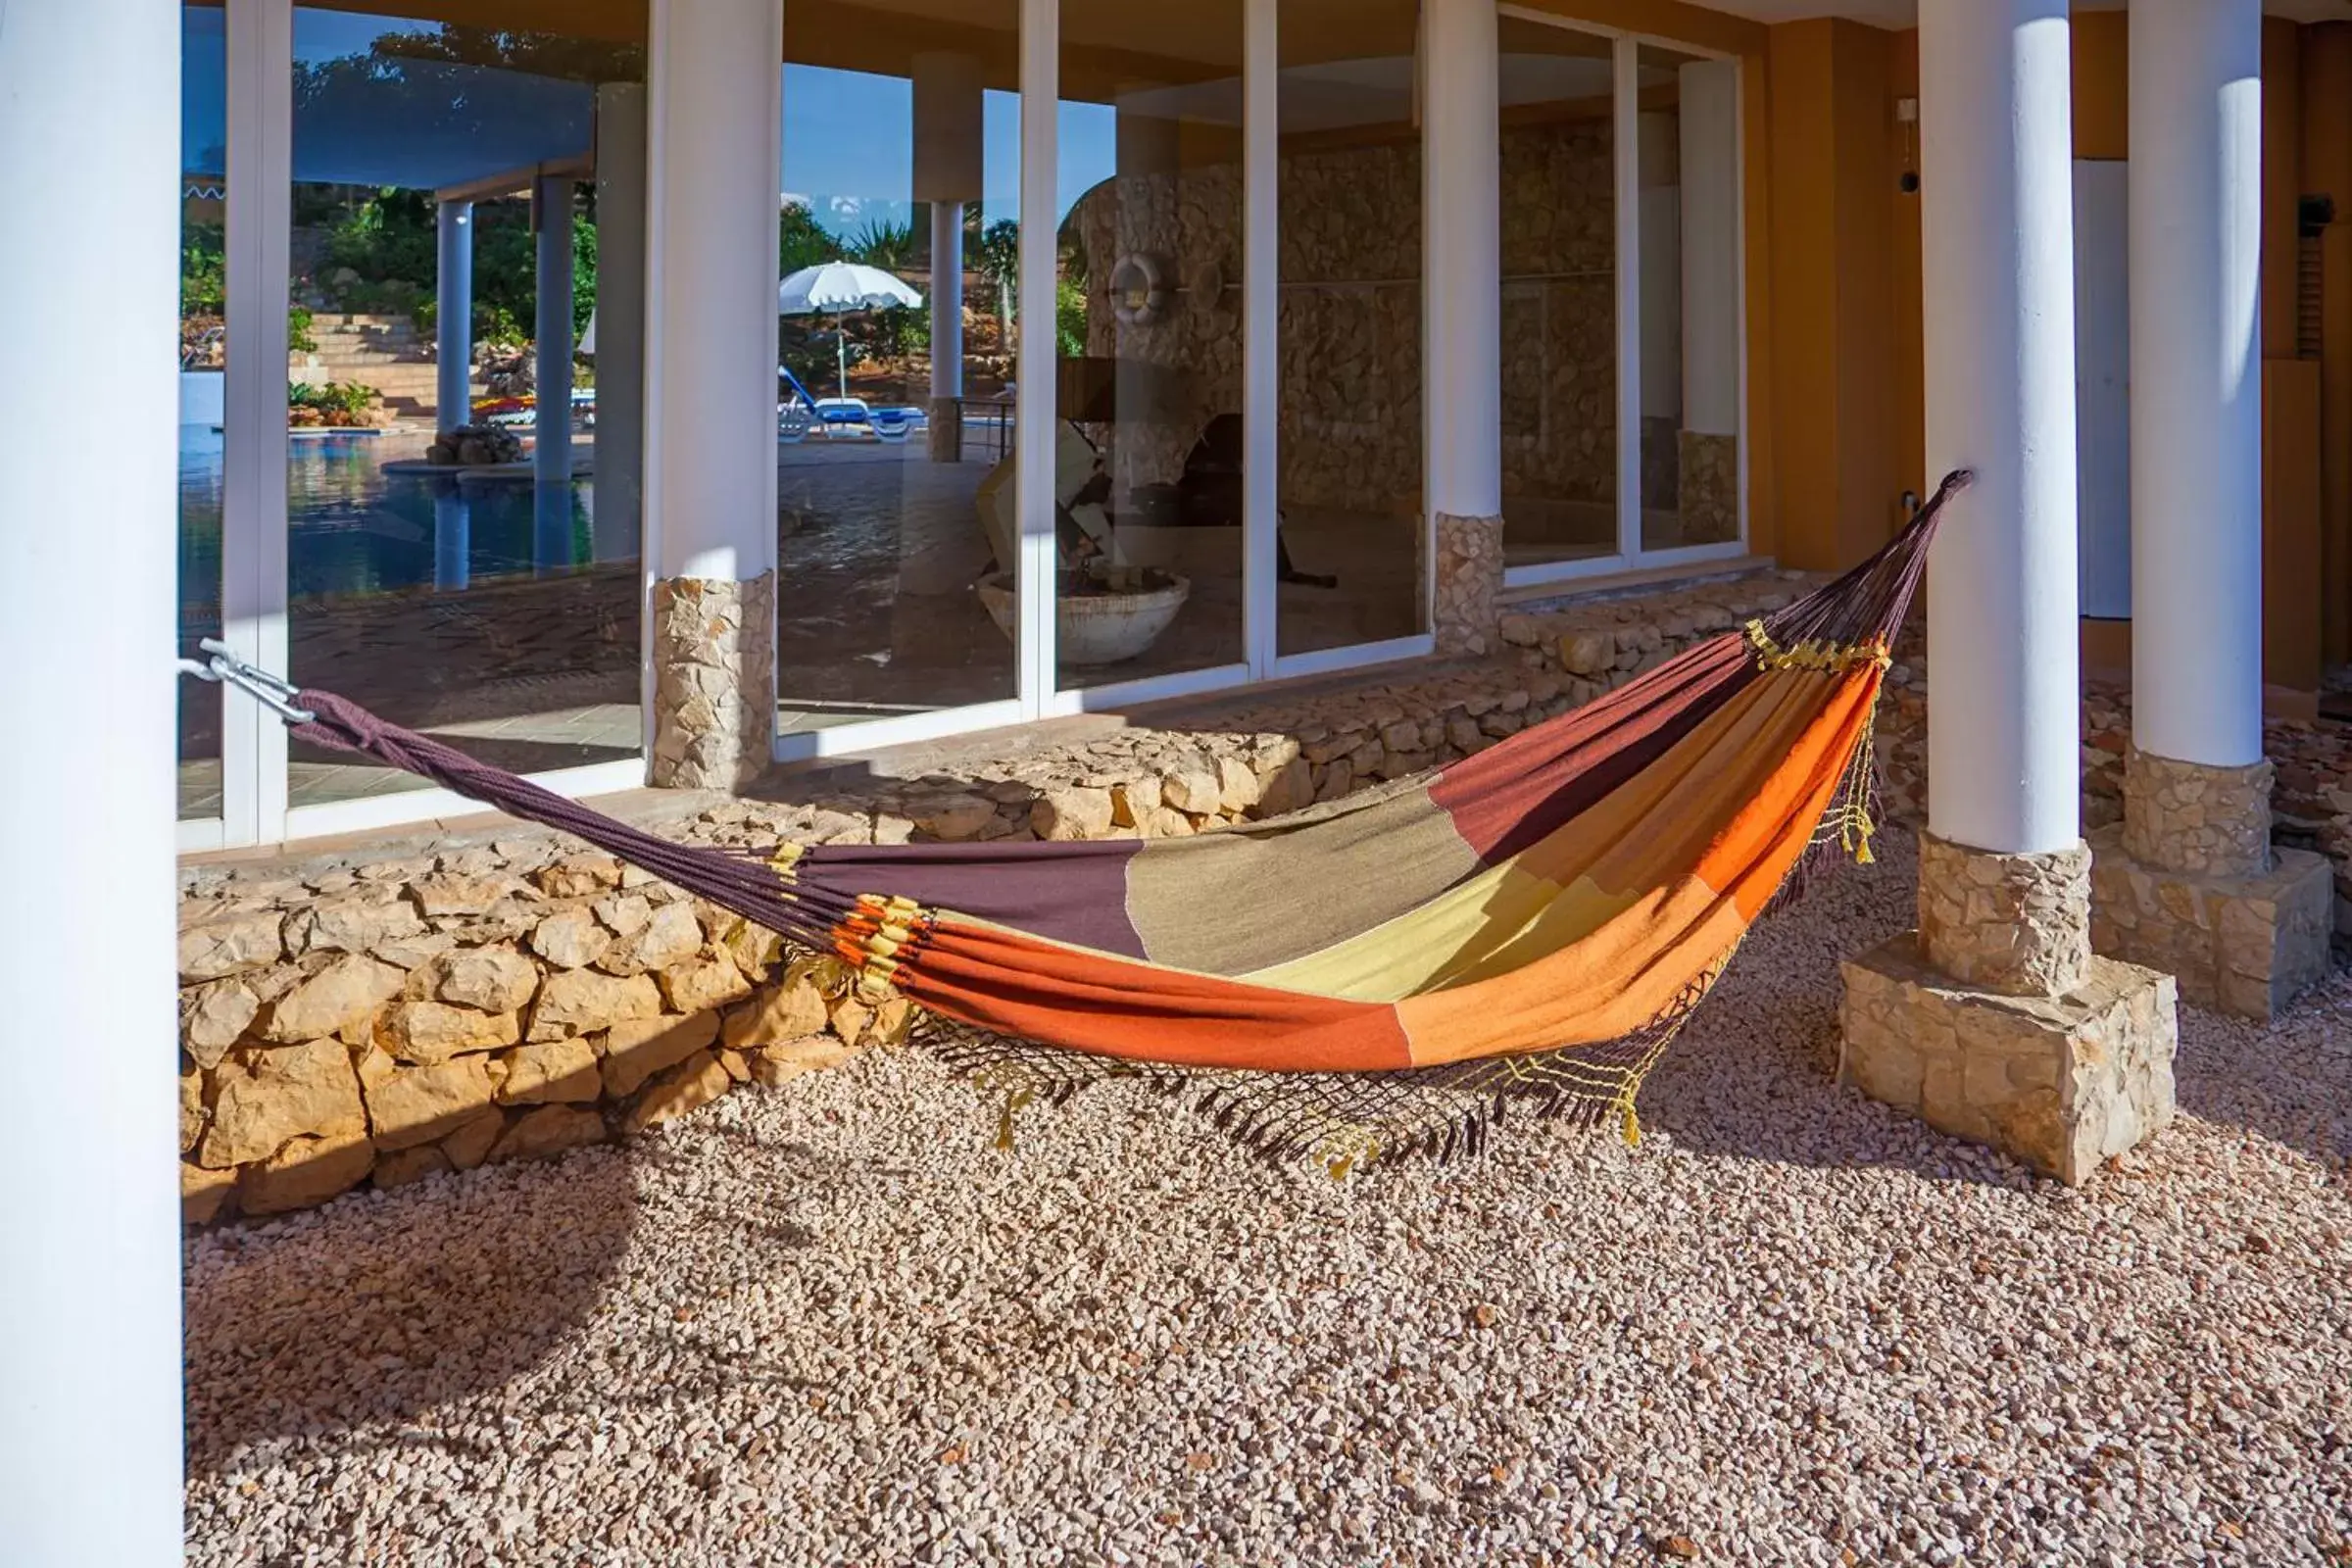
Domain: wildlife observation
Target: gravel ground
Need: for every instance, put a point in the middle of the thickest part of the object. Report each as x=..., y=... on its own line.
x=831, y=1324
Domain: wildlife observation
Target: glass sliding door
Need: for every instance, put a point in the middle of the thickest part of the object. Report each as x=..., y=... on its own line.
x=899, y=219
x=203, y=407
x=462, y=535
x=1690, y=381
x=1350, y=375
x=1559, y=294
x=1149, y=319
x=1623, y=336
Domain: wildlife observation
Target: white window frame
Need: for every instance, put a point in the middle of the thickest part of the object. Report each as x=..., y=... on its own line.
x=256, y=453
x=1625, y=103
x=255, y=808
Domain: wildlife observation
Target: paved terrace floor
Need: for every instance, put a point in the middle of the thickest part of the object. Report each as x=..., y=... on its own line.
x=832, y=1324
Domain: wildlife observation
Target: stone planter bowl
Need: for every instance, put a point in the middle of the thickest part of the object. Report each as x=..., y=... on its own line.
x=1092, y=628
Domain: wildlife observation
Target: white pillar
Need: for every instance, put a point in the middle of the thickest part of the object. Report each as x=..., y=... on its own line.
x=453, y=537
x=1461, y=229
x=1710, y=246
x=1996, y=172
x=715, y=84
x=551, y=452
x=712, y=314
x=2196, y=379
x=947, y=299
x=949, y=141
x=89, y=1236
x=1657, y=158
x=454, y=317
x=621, y=177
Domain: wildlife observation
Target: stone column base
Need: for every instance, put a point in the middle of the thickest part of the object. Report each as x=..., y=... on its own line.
x=1469, y=577
x=2019, y=925
x=2242, y=945
x=2194, y=818
x=2059, y=1083
x=715, y=682
x=945, y=430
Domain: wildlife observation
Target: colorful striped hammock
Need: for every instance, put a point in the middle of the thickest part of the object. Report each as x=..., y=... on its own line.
x=1377, y=974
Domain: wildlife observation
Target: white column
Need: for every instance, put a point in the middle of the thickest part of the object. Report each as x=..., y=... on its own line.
x=551, y=452
x=1461, y=229
x=2196, y=379
x=947, y=299
x=1037, y=427
x=949, y=141
x=257, y=447
x=1996, y=172
x=454, y=317
x=714, y=85
x=1261, y=341
x=1657, y=158
x=1625, y=138
x=710, y=469
x=453, y=537
x=1710, y=246
x=89, y=1237
x=620, y=175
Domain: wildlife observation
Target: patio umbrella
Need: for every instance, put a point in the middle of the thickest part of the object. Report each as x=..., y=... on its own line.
x=836, y=288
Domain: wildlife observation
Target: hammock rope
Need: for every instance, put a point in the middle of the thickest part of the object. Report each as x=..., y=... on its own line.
x=1383, y=974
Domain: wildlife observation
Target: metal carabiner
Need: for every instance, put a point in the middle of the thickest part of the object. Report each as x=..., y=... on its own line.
x=225, y=668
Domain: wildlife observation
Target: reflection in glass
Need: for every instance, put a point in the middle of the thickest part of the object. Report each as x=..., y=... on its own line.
x=895, y=476
x=1349, y=289
x=202, y=328
x=1148, y=327
x=1689, y=168
x=1559, y=294
x=462, y=535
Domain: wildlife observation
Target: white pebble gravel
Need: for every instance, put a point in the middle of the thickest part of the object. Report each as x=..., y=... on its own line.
x=831, y=1324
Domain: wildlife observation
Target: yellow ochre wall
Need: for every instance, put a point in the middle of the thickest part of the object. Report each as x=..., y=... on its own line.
x=1846, y=377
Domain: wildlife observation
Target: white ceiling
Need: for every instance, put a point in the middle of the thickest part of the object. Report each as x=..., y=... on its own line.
x=1905, y=13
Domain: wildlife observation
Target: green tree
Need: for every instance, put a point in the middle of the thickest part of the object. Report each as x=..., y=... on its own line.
x=1070, y=318
x=203, y=270
x=799, y=240
x=996, y=250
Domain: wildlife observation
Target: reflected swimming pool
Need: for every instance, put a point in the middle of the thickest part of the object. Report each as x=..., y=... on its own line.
x=352, y=529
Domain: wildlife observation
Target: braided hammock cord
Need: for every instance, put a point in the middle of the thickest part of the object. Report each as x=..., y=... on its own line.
x=1346, y=1120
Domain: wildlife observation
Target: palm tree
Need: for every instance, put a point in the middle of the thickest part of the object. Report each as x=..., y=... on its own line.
x=885, y=244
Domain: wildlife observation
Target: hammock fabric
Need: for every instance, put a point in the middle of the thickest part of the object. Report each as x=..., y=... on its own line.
x=1377, y=974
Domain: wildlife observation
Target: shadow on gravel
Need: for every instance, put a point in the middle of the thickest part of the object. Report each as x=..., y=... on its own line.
x=2289, y=1082
x=378, y=1309
x=1754, y=1075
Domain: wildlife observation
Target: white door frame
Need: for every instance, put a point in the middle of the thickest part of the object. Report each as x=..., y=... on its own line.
x=1626, y=149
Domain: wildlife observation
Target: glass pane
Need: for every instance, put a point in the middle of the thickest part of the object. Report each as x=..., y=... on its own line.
x=894, y=459
x=203, y=325
x=1149, y=332
x=1690, y=168
x=1349, y=183
x=1559, y=294
x=467, y=567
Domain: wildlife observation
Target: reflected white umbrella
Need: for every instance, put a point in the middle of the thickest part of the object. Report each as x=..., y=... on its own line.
x=836, y=288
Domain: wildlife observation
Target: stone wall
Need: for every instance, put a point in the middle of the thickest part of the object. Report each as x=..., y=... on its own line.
x=1350, y=317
